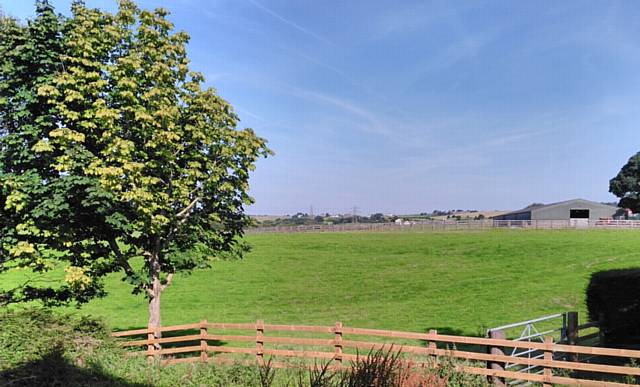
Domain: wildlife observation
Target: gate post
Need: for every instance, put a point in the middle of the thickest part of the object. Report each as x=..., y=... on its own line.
x=496, y=366
x=602, y=335
x=572, y=333
x=548, y=357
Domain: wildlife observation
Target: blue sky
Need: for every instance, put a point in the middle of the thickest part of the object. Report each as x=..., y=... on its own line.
x=411, y=106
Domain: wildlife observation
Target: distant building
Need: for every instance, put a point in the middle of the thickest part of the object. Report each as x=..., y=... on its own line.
x=570, y=209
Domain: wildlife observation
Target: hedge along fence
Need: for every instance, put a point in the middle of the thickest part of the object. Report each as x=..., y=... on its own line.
x=197, y=342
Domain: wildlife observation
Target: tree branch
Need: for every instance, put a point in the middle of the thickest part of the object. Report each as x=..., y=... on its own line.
x=185, y=212
x=121, y=259
x=169, y=279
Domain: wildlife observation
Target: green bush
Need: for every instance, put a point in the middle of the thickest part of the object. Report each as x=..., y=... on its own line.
x=613, y=295
x=40, y=347
x=28, y=335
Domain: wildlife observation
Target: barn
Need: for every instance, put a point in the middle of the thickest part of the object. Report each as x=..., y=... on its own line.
x=570, y=209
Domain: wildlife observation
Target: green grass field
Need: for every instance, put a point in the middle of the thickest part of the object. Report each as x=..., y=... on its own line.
x=459, y=282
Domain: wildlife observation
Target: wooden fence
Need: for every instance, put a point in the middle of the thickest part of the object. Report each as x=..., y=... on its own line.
x=210, y=342
x=405, y=226
x=446, y=225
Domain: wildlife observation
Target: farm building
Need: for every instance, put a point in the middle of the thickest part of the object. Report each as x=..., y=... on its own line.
x=570, y=209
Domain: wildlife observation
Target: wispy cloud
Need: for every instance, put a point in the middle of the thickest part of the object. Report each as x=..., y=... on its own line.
x=255, y=117
x=290, y=23
x=367, y=120
x=506, y=139
x=466, y=158
x=215, y=77
x=325, y=65
x=372, y=122
x=420, y=16
x=463, y=49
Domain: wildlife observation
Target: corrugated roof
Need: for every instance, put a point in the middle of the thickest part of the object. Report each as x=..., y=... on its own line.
x=537, y=206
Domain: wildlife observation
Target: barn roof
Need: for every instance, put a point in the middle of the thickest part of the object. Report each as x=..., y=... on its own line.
x=538, y=206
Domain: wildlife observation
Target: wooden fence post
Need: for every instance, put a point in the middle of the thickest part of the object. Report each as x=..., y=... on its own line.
x=204, y=354
x=496, y=366
x=572, y=333
x=548, y=356
x=338, y=342
x=602, y=335
x=151, y=346
x=433, y=345
x=260, y=342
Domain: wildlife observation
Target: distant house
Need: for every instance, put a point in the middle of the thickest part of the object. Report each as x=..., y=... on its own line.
x=570, y=209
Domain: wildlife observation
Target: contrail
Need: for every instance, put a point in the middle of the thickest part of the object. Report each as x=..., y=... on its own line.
x=290, y=23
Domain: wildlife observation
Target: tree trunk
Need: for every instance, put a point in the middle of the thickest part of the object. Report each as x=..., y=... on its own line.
x=154, y=304
x=154, y=300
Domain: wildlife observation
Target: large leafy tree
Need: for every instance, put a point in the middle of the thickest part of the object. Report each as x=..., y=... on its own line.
x=626, y=184
x=136, y=167
x=29, y=59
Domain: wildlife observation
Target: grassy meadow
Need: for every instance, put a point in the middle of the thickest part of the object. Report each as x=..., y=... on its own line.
x=459, y=282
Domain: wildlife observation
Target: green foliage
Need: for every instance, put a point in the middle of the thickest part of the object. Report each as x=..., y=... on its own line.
x=266, y=373
x=319, y=377
x=448, y=370
x=29, y=59
x=630, y=379
x=41, y=347
x=301, y=219
x=111, y=150
x=613, y=295
x=27, y=335
x=378, y=368
x=626, y=184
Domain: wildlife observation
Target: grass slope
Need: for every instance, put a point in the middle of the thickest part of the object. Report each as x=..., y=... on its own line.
x=458, y=282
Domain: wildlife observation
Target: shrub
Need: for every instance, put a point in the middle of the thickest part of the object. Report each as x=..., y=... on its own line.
x=40, y=347
x=29, y=334
x=613, y=294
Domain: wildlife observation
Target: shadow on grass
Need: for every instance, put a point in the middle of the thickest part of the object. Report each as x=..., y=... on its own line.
x=456, y=332
x=54, y=370
x=447, y=331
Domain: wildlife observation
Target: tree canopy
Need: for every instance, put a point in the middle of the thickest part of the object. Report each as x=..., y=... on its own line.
x=626, y=184
x=114, y=153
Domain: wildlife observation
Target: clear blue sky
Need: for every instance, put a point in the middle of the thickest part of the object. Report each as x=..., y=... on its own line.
x=412, y=106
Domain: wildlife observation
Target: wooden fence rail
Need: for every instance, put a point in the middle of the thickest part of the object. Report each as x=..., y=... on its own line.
x=197, y=342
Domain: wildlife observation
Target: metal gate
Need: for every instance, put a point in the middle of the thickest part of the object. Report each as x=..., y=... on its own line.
x=534, y=330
